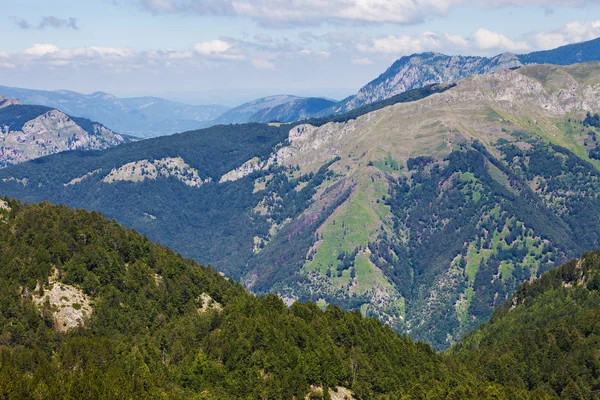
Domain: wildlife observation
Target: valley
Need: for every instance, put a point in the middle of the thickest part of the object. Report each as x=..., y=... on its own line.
x=425, y=214
x=300, y=200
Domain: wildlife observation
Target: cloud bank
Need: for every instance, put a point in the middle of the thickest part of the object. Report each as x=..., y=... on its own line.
x=291, y=13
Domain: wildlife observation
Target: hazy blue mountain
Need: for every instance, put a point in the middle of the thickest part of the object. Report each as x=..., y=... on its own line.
x=242, y=114
x=294, y=110
x=137, y=116
x=281, y=108
x=565, y=55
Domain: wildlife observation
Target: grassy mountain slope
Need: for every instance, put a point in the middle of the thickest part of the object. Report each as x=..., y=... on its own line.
x=546, y=336
x=443, y=219
x=160, y=326
x=417, y=70
x=425, y=214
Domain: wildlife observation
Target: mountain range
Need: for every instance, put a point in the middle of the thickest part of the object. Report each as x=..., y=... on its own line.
x=425, y=212
x=142, y=117
x=146, y=117
x=28, y=132
x=418, y=70
x=280, y=108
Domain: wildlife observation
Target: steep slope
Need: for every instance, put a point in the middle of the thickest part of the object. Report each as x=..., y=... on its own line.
x=90, y=309
x=425, y=214
x=137, y=116
x=453, y=201
x=418, y=70
x=29, y=132
x=546, y=336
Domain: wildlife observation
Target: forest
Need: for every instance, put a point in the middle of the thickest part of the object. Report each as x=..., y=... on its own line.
x=150, y=337
x=163, y=326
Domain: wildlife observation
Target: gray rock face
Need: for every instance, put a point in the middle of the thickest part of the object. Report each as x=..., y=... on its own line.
x=44, y=131
x=419, y=70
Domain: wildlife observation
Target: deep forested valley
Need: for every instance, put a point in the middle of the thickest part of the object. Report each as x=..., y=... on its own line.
x=164, y=327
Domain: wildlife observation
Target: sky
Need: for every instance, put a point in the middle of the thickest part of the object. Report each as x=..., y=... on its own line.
x=229, y=51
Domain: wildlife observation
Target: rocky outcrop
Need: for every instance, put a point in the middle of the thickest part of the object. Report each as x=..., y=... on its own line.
x=419, y=70
x=48, y=131
x=5, y=102
x=67, y=305
x=142, y=170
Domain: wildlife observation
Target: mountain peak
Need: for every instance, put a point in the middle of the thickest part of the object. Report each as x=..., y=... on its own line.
x=5, y=102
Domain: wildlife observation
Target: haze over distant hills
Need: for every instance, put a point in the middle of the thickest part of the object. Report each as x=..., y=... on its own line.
x=281, y=108
x=137, y=116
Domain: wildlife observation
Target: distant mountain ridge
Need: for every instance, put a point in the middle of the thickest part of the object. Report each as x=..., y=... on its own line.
x=137, y=116
x=28, y=132
x=417, y=70
x=279, y=108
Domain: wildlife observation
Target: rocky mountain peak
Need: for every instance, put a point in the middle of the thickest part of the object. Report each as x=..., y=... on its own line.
x=5, y=102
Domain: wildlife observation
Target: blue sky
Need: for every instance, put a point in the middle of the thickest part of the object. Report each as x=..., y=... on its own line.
x=226, y=51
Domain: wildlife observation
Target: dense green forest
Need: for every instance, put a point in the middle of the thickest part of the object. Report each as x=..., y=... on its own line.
x=162, y=326
x=547, y=336
x=405, y=97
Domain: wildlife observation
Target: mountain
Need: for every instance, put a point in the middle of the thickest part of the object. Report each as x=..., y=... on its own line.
x=280, y=108
x=28, y=132
x=418, y=70
x=565, y=55
x=295, y=110
x=545, y=337
x=137, y=116
x=90, y=309
x=425, y=212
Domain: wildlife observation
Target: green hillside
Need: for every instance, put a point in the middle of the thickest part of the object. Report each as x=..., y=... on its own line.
x=153, y=324
x=546, y=337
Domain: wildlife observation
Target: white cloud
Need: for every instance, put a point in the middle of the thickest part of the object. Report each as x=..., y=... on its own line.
x=402, y=44
x=488, y=40
x=263, y=64
x=456, y=40
x=213, y=47
x=41, y=49
x=362, y=61
x=159, y=5
x=288, y=13
x=572, y=32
